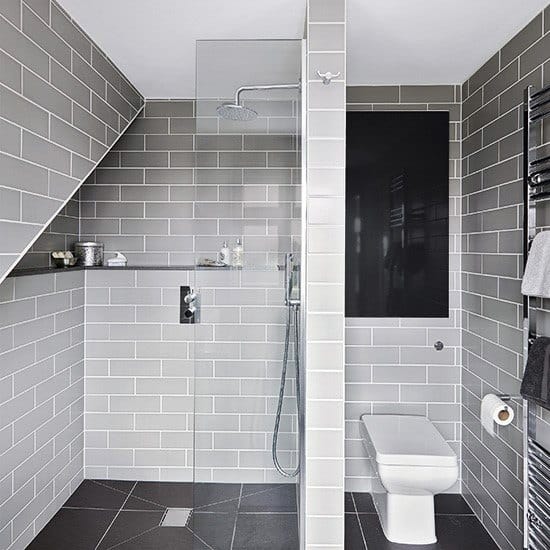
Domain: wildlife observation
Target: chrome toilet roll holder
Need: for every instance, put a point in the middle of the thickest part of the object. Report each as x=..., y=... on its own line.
x=508, y=397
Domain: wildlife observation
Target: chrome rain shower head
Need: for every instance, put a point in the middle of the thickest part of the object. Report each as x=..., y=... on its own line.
x=236, y=111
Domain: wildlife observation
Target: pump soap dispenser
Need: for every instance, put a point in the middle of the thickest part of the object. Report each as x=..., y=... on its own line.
x=238, y=254
x=225, y=254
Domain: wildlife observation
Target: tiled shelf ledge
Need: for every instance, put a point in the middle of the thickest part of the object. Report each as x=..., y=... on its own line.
x=45, y=270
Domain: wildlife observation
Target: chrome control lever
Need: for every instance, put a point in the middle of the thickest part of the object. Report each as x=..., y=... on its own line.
x=190, y=297
x=190, y=312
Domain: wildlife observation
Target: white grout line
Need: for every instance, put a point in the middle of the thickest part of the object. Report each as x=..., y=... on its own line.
x=116, y=516
x=236, y=519
x=193, y=534
x=358, y=520
x=132, y=538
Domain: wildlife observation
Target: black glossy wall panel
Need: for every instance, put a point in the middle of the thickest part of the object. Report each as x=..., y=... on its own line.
x=397, y=214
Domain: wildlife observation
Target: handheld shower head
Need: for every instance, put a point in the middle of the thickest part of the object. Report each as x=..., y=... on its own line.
x=292, y=280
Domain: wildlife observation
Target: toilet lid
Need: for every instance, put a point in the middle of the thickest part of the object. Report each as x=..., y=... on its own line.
x=408, y=441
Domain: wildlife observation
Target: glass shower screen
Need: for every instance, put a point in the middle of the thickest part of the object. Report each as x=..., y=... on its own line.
x=247, y=182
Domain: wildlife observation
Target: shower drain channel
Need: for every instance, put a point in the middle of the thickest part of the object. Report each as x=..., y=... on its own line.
x=176, y=517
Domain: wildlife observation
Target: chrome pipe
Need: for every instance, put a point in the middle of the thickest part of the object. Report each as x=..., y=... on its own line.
x=264, y=87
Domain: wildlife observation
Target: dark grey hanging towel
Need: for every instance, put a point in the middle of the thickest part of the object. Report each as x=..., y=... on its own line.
x=536, y=378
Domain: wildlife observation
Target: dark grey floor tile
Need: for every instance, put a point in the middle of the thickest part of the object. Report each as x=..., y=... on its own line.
x=215, y=529
x=129, y=525
x=353, y=536
x=348, y=503
x=92, y=494
x=276, y=498
x=453, y=533
x=459, y=532
x=73, y=529
x=156, y=495
x=164, y=538
x=251, y=488
x=364, y=503
x=453, y=504
x=119, y=485
x=266, y=532
x=216, y=497
x=448, y=504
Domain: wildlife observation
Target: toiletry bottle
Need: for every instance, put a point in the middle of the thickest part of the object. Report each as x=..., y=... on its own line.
x=238, y=254
x=225, y=254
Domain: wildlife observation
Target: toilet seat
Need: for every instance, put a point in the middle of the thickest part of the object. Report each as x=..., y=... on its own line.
x=408, y=441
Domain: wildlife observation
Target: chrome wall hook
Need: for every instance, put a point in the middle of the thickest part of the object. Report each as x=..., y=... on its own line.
x=328, y=76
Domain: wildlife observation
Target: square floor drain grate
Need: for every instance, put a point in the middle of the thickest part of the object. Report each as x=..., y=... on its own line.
x=176, y=517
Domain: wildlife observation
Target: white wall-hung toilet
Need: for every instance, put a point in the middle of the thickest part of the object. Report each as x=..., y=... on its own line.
x=412, y=462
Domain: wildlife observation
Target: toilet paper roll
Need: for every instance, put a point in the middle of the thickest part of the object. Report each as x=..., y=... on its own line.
x=495, y=411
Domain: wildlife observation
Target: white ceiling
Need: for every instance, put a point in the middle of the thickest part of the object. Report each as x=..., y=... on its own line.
x=389, y=41
x=153, y=41
x=429, y=41
x=225, y=65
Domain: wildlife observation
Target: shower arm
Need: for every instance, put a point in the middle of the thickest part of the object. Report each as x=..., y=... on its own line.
x=266, y=87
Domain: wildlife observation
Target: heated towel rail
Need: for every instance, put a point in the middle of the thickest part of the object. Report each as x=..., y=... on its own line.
x=536, y=188
x=538, y=510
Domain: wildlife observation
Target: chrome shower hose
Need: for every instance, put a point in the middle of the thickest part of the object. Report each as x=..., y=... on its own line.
x=293, y=315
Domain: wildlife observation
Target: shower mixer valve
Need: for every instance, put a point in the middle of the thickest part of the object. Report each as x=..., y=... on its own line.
x=189, y=312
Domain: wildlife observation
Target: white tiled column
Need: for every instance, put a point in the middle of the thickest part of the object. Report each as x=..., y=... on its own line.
x=324, y=445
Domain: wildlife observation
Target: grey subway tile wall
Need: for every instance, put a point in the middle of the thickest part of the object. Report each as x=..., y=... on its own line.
x=62, y=105
x=41, y=400
x=61, y=234
x=178, y=184
x=152, y=383
x=391, y=364
x=491, y=270
x=52, y=136
x=171, y=191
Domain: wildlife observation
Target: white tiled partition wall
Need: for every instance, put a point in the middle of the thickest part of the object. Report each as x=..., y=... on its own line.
x=323, y=475
x=392, y=366
x=41, y=400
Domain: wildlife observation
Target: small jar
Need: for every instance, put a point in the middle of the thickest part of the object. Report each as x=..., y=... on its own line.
x=89, y=254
